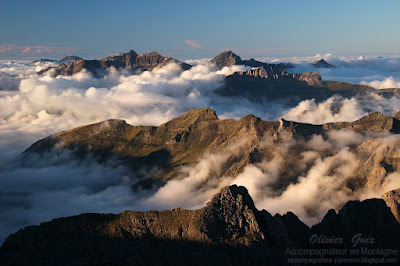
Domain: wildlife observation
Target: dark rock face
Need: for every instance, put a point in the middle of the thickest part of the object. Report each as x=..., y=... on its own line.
x=373, y=121
x=130, y=60
x=230, y=216
x=229, y=230
x=370, y=218
x=322, y=64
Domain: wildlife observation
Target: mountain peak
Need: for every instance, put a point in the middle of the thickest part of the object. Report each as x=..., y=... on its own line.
x=232, y=197
x=193, y=116
x=363, y=217
x=70, y=58
x=207, y=114
x=396, y=115
x=227, y=58
x=231, y=215
x=322, y=64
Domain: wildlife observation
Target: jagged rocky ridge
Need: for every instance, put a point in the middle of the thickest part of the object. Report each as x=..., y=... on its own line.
x=229, y=230
x=272, y=82
x=269, y=83
x=130, y=60
x=265, y=81
x=185, y=139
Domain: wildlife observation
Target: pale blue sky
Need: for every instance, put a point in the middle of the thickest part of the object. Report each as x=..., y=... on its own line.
x=48, y=28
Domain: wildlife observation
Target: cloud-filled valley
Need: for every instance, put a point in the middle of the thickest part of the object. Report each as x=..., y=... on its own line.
x=42, y=187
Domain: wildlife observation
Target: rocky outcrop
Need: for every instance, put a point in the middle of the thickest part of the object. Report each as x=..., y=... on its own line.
x=322, y=64
x=130, y=60
x=229, y=230
x=392, y=199
x=375, y=121
x=311, y=78
x=271, y=72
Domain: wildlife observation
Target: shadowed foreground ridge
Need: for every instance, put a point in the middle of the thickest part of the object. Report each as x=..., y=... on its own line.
x=229, y=230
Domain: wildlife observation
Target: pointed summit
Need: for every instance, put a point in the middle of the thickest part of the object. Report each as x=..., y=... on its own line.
x=322, y=64
x=231, y=215
x=70, y=58
x=397, y=115
x=232, y=197
x=193, y=116
x=227, y=58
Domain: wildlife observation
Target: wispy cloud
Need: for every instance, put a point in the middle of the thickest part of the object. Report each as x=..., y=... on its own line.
x=27, y=50
x=21, y=51
x=193, y=44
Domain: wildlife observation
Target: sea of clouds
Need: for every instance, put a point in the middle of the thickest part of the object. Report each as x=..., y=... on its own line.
x=41, y=188
x=380, y=72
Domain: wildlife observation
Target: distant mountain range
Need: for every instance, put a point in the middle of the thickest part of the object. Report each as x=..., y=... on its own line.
x=229, y=230
x=130, y=60
x=147, y=61
x=264, y=81
x=272, y=82
x=66, y=60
